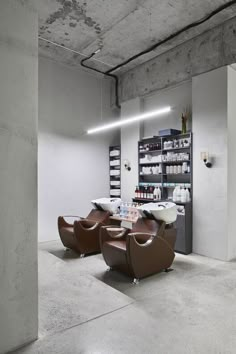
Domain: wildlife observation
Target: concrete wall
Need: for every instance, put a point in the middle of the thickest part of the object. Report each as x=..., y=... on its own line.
x=209, y=99
x=18, y=173
x=73, y=167
x=231, y=161
x=178, y=97
x=130, y=135
x=208, y=51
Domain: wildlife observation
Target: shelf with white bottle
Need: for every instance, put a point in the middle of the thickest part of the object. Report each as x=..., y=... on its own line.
x=114, y=170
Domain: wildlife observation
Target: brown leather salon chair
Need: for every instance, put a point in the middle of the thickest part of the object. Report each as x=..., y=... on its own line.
x=146, y=249
x=83, y=235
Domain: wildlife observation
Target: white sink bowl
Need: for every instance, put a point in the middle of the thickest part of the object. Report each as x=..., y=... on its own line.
x=144, y=210
x=164, y=211
x=107, y=204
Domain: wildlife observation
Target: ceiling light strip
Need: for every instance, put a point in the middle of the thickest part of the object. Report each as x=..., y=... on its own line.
x=71, y=50
x=122, y=122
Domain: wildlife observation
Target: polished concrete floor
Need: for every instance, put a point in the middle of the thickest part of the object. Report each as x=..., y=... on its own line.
x=85, y=309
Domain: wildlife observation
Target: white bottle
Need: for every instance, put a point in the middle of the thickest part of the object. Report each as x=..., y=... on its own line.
x=155, y=194
x=158, y=193
x=184, y=167
x=183, y=196
x=175, y=169
x=160, y=169
x=179, y=169
x=171, y=170
x=178, y=194
x=175, y=195
x=187, y=195
x=167, y=170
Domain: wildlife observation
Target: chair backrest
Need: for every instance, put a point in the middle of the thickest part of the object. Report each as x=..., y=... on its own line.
x=98, y=216
x=146, y=225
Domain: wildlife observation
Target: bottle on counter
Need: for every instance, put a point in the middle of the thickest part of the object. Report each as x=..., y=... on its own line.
x=141, y=192
x=178, y=194
x=136, y=192
x=183, y=195
x=158, y=193
x=184, y=167
x=151, y=192
x=145, y=193
x=175, y=195
x=155, y=194
x=187, y=195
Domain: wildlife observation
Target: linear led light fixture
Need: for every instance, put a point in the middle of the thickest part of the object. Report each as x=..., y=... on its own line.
x=130, y=120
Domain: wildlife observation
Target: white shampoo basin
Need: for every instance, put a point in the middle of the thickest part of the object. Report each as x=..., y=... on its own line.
x=164, y=211
x=144, y=210
x=107, y=204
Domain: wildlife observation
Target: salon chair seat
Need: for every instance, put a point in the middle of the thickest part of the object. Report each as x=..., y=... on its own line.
x=146, y=249
x=83, y=235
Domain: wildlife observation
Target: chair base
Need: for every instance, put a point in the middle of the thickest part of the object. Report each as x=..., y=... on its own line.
x=82, y=255
x=167, y=270
x=135, y=281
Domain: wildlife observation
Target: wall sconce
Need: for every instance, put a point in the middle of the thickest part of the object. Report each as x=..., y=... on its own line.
x=206, y=159
x=127, y=165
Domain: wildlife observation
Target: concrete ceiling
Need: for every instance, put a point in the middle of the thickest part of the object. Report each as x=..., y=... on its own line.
x=121, y=28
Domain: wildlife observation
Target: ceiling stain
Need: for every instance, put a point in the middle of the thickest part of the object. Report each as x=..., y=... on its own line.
x=75, y=11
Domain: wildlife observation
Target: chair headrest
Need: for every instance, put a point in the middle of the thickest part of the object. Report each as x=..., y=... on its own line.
x=98, y=215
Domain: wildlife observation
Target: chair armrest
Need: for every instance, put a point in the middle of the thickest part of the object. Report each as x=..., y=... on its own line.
x=88, y=225
x=61, y=222
x=111, y=232
x=135, y=234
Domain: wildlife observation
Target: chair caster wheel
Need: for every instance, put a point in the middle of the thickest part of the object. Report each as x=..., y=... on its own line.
x=135, y=281
x=167, y=270
x=82, y=255
x=109, y=269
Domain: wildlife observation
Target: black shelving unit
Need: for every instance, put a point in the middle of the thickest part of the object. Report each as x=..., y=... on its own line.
x=115, y=171
x=155, y=147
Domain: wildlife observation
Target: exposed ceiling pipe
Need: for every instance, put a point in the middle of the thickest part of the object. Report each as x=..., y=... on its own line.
x=172, y=36
x=82, y=63
x=71, y=50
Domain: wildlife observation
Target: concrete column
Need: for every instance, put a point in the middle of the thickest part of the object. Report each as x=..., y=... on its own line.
x=210, y=185
x=130, y=135
x=231, y=103
x=18, y=173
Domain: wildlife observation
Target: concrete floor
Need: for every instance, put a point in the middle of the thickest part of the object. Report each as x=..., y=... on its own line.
x=84, y=309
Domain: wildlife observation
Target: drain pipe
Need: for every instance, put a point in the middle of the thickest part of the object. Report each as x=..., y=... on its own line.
x=82, y=63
